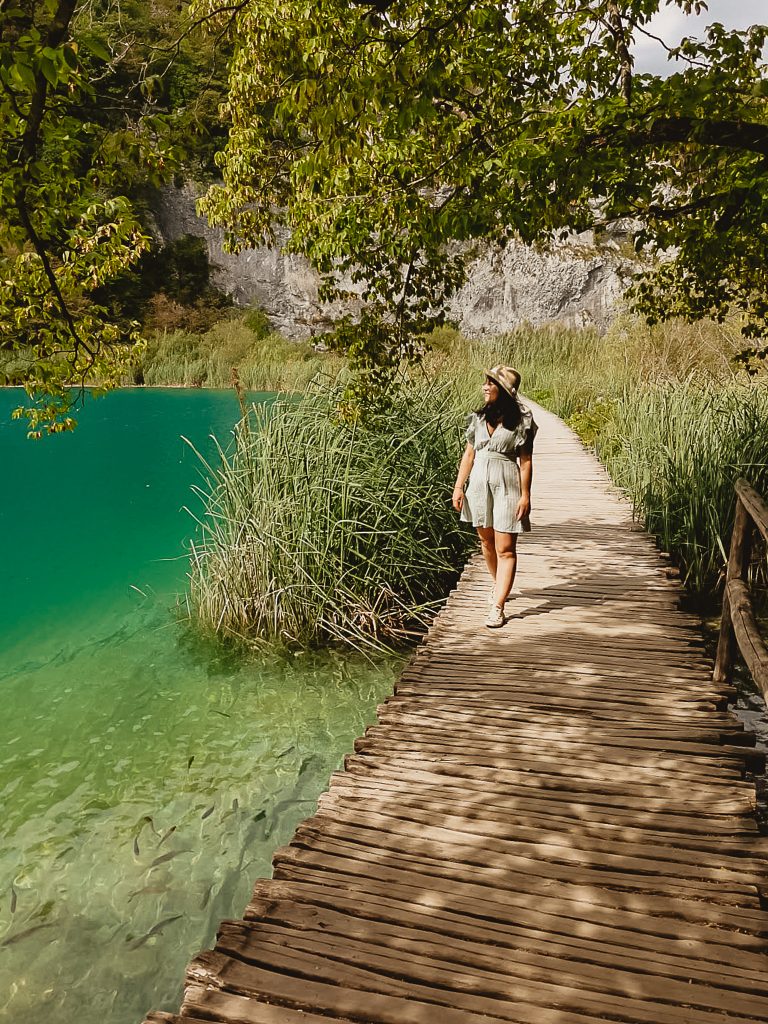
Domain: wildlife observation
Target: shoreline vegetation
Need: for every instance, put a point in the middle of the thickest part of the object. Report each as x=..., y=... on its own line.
x=314, y=533
x=319, y=531
x=670, y=416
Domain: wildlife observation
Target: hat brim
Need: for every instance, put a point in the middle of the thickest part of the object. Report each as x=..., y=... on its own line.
x=512, y=394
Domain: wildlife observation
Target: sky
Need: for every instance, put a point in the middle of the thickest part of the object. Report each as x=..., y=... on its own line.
x=671, y=24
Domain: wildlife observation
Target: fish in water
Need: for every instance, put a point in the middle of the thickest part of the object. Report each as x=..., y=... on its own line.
x=235, y=804
x=145, y=820
x=189, y=762
x=147, y=891
x=223, y=714
x=166, y=857
x=46, y=908
x=154, y=930
x=207, y=813
x=206, y=897
x=170, y=832
x=22, y=935
x=13, y=900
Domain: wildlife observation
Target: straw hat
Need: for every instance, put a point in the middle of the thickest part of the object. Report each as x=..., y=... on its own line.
x=506, y=377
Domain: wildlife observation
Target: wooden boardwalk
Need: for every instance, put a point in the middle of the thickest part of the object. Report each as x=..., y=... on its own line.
x=549, y=824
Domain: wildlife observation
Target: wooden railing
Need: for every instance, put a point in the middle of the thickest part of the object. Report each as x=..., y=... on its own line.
x=738, y=625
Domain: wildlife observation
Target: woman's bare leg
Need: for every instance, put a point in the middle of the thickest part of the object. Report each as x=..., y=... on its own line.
x=505, y=549
x=488, y=544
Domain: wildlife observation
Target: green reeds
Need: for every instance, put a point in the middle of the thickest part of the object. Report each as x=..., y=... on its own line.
x=264, y=362
x=319, y=530
x=665, y=409
x=677, y=448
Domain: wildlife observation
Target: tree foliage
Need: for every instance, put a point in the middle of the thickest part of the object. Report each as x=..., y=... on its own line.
x=98, y=101
x=390, y=135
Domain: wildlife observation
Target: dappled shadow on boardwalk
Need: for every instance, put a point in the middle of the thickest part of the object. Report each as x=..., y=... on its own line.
x=549, y=824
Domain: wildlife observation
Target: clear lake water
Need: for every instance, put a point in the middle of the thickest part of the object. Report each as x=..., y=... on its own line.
x=146, y=776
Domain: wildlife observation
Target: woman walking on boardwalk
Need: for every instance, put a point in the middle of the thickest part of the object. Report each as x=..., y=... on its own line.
x=498, y=496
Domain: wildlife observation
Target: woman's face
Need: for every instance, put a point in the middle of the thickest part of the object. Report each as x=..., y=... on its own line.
x=490, y=390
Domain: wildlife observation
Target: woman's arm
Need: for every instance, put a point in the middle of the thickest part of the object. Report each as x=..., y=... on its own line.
x=526, y=479
x=465, y=467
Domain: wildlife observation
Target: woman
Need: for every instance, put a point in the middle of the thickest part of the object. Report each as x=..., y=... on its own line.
x=498, y=497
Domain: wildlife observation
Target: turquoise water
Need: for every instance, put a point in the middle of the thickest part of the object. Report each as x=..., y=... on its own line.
x=146, y=777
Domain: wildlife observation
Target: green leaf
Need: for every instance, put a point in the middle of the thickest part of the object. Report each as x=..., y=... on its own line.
x=96, y=47
x=26, y=75
x=49, y=70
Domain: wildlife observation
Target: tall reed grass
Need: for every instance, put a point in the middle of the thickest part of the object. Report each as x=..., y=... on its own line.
x=264, y=362
x=572, y=370
x=672, y=419
x=677, y=448
x=317, y=529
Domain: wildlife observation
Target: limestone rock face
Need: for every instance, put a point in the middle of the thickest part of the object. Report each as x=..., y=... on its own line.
x=284, y=286
x=573, y=283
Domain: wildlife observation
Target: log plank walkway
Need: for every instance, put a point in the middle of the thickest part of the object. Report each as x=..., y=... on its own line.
x=549, y=824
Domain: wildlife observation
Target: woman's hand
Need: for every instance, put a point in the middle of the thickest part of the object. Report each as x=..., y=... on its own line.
x=457, y=499
x=523, y=508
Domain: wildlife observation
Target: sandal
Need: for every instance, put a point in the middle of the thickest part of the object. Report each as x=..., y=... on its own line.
x=495, y=617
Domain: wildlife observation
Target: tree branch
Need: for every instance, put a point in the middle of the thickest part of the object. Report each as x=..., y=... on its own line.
x=616, y=27
x=42, y=252
x=744, y=135
x=56, y=33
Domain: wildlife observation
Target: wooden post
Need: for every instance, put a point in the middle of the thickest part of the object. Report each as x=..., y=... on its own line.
x=738, y=563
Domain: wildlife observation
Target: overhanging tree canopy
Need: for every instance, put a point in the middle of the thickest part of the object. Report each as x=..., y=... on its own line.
x=383, y=133
x=95, y=105
x=386, y=135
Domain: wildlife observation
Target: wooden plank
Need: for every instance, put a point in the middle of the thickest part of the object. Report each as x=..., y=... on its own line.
x=247, y=1011
x=454, y=706
x=549, y=823
x=584, y=931
x=357, y=827
x=616, y=976
x=754, y=504
x=474, y=988
x=471, y=766
x=581, y=683
x=394, y=794
x=556, y=738
x=645, y=925
x=316, y=851
x=498, y=724
x=575, y=663
x=315, y=854
x=648, y=777
x=584, y=700
x=524, y=766
x=640, y=759
x=517, y=799
x=378, y=814
x=348, y=991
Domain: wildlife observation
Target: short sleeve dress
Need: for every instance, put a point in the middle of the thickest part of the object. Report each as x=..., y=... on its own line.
x=493, y=489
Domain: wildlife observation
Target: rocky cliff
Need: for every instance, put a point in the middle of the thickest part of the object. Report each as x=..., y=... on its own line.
x=574, y=283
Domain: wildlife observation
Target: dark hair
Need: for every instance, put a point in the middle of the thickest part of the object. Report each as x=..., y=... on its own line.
x=504, y=410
